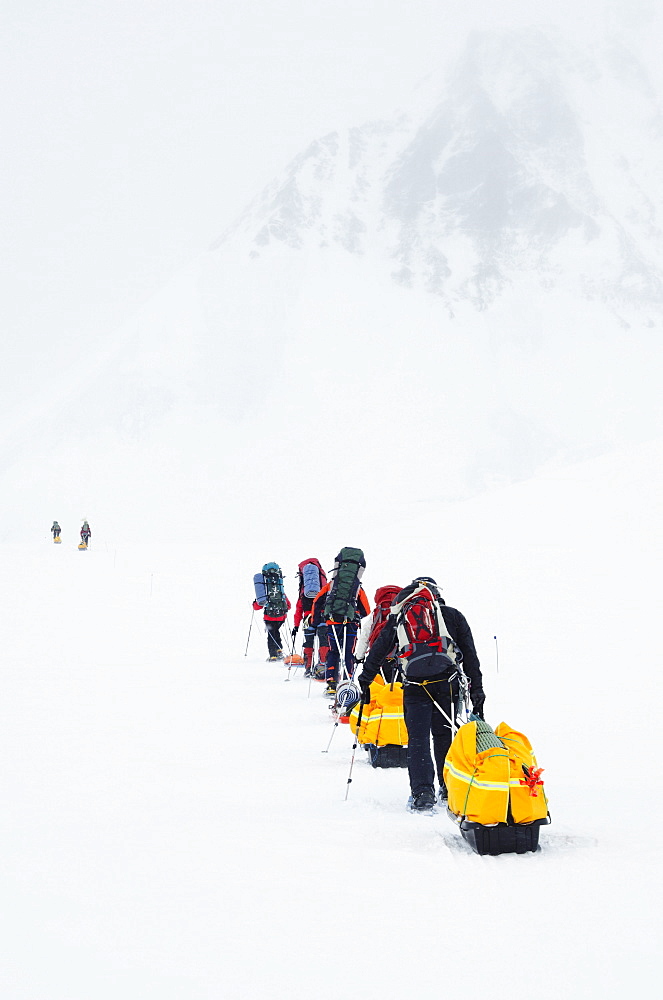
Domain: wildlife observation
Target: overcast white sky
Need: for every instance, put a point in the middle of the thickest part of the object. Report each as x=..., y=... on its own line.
x=134, y=131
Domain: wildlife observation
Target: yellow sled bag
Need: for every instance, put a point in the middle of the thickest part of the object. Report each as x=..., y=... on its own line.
x=382, y=730
x=495, y=789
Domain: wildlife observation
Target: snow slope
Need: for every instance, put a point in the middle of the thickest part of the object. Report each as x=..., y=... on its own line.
x=327, y=385
x=172, y=828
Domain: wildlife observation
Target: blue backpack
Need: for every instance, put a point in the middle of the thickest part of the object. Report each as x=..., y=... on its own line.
x=311, y=584
x=260, y=589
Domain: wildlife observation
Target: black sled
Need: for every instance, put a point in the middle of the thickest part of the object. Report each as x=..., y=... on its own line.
x=391, y=755
x=500, y=838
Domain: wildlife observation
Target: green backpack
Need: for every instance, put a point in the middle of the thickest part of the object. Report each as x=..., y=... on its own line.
x=341, y=603
x=276, y=605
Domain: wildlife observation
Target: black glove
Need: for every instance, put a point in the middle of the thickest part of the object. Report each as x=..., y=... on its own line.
x=358, y=660
x=365, y=688
x=477, y=704
x=294, y=632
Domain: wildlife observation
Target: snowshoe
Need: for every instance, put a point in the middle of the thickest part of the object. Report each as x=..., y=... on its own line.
x=422, y=802
x=82, y=546
x=330, y=691
x=57, y=539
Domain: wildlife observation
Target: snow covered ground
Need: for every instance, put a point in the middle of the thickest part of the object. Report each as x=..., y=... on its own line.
x=171, y=827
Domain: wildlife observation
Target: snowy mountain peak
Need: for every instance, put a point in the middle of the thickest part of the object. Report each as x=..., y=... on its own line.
x=534, y=159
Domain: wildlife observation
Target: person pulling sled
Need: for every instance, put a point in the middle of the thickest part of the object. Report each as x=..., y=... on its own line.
x=312, y=578
x=344, y=604
x=86, y=534
x=55, y=530
x=272, y=601
x=319, y=626
x=437, y=656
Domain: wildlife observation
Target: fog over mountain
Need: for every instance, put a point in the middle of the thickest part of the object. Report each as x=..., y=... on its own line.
x=534, y=158
x=429, y=305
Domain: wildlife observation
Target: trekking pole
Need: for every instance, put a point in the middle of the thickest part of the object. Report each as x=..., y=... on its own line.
x=346, y=673
x=287, y=625
x=289, y=640
x=354, y=748
x=455, y=708
x=336, y=722
x=291, y=652
x=297, y=664
x=290, y=656
x=310, y=676
x=249, y=635
x=301, y=655
x=279, y=643
x=464, y=690
x=338, y=669
x=497, y=655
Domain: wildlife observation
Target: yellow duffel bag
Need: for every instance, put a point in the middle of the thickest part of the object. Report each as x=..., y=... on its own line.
x=382, y=729
x=495, y=789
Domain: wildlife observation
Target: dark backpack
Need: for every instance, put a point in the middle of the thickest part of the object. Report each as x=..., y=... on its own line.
x=275, y=605
x=341, y=603
x=425, y=647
